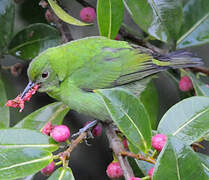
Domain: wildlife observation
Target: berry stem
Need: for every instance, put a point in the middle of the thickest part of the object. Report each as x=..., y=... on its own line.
x=145, y=178
x=58, y=163
x=155, y=152
x=117, y=147
x=138, y=156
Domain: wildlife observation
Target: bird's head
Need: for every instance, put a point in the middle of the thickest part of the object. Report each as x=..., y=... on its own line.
x=41, y=73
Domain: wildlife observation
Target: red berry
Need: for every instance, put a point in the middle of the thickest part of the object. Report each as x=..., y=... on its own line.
x=96, y=130
x=48, y=16
x=117, y=37
x=185, y=84
x=114, y=170
x=125, y=143
x=47, y=128
x=88, y=14
x=60, y=133
x=150, y=172
x=158, y=141
x=48, y=170
x=134, y=178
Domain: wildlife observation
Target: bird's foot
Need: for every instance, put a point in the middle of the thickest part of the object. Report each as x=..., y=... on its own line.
x=87, y=129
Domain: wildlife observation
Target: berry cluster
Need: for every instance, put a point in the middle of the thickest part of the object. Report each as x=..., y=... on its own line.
x=18, y=102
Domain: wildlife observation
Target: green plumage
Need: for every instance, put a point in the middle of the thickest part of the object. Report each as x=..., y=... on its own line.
x=77, y=68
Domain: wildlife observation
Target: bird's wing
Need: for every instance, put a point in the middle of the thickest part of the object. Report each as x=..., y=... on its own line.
x=113, y=67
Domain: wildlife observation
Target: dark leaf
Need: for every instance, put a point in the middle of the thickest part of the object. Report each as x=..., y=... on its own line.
x=161, y=19
x=34, y=39
x=20, y=162
x=62, y=174
x=25, y=138
x=54, y=112
x=188, y=120
x=129, y=115
x=7, y=11
x=195, y=29
x=178, y=161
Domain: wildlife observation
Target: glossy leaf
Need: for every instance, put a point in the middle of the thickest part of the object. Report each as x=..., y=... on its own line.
x=62, y=174
x=161, y=19
x=188, y=120
x=54, y=112
x=144, y=166
x=205, y=162
x=109, y=17
x=149, y=98
x=129, y=115
x=20, y=162
x=178, y=161
x=25, y=138
x=201, y=89
x=6, y=22
x=65, y=16
x=34, y=39
x=4, y=110
x=195, y=29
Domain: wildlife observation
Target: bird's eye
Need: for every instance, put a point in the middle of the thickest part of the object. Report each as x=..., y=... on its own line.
x=45, y=75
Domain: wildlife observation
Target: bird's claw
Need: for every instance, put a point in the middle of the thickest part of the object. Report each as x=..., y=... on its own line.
x=87, y=129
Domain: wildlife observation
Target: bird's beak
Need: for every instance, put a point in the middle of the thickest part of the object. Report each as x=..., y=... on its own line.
x=27, y=88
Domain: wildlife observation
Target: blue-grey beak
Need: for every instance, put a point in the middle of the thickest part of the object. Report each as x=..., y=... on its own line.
x=27, y=88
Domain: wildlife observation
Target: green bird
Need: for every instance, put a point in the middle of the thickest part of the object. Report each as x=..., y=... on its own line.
x=71, y=72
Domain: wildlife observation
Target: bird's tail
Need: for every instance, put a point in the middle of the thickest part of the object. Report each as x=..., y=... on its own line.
x=181, y=59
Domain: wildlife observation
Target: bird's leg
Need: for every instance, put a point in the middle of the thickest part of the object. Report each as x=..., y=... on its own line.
x=87, y=129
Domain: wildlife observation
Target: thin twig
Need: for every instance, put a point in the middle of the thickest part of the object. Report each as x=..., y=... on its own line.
x=62, y=27
x=200, y=69
x=64, y=156
x=138, y=156
x=117, y=147
x=84, y=3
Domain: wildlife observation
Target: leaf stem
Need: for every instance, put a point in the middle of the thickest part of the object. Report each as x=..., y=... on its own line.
x=138, y=156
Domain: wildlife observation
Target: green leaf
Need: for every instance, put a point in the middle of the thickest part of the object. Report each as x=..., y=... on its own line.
x=62, y=174
x=161, y=19
x=34, y=39
x=129, y=115
x=195, y=29
x=178, y=161
x=188, y=120
x=25, y=138
x=205, y=162
x=65, y=16
x=4, y=110
x=201, y=89
x=109, y=17
x=20, y=162
x=144, y=166
x=6, y=22
x=54, y=112
x=149, y=98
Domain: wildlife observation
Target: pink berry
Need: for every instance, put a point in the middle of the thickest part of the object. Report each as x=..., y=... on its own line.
x=158, y=141
x=48, y=170
x=150, y=172
x=117, y=37
x=88, y=14
x=185, y=84
x=134, y=178
x=114, y=170
x=47, y=128
x=96, y=130
x=60, y=133
x=125, y=143
x=48, y=16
